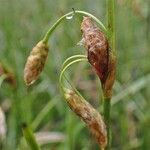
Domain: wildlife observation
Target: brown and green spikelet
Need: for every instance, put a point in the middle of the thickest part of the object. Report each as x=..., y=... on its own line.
x=35, y=63
x=89, y=115
x=99, y=54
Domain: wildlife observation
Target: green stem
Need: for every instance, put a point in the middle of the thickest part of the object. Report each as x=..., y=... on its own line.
x=65, y=66
x=72, y=58
x=28, y=134
x=50, y=31
x=111, y=23
x=107, y=107
x=111, y=40
x=68, y=65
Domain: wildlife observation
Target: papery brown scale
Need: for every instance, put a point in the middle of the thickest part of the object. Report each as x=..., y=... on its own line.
x=97, y=47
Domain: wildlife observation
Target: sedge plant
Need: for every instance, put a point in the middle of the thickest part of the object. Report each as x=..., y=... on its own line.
x=99, y=43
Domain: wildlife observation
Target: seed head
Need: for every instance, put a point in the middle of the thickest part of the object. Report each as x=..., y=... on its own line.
x=35, y=63
x=89, y=115
x=99, y=54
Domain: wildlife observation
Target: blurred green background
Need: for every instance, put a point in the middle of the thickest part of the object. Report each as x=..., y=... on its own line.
x=22, y=24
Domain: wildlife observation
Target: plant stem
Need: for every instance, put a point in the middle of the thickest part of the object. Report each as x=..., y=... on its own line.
x=111, y=23
x=107, y=107
x=47, y=35
x=65, y=67
x=28, y=134
x=111, y=40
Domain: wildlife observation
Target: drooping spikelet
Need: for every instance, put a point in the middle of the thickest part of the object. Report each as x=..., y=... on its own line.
x=35, y=63
x=99, y=53
x=89, y=115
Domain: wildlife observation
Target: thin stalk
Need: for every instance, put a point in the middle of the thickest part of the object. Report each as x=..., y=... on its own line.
x=28, y=134
x=107, y=107
x=63, y=70
x=50, y=31
x=71, y=58
x=111, y=24
x=111, y=40
x=65, y=66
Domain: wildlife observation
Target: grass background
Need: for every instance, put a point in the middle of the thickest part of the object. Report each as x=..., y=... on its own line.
x=23, y=23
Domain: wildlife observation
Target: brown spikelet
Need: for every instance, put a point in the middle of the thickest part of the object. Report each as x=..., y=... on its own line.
x=35, y=63
x=97, y=47
x=99, y=54
x=89, y=115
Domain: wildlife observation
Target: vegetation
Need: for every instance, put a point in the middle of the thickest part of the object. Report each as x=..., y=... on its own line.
x=41, y=106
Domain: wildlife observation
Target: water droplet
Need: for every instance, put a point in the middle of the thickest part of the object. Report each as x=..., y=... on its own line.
x=69, y=17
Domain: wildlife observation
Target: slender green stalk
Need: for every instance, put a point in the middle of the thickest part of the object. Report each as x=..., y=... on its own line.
x=111, y=39
x=65, y=66
x=30, y=137
x=63, y=70
x=71, y=58
x=111, y=23
x=107, y=107
x=70, y=14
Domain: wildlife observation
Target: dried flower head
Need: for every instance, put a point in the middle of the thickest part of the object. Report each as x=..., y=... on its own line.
x=99, y=54
x=35, y=63
x=89, y=115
